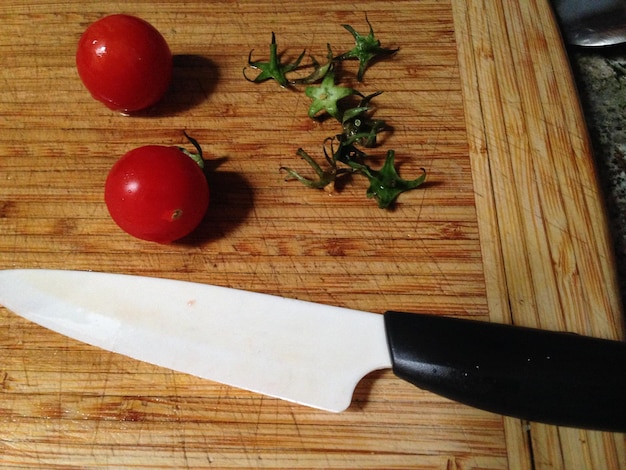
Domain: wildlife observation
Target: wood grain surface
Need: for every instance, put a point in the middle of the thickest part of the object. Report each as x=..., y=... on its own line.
x=510, y=227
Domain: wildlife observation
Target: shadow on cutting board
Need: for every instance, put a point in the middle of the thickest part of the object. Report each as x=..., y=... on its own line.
x=194, y=79
x=231, y=201
x=363, y=390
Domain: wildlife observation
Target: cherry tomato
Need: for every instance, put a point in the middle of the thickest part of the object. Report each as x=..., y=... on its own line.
x=157, y=193
x=124, y=62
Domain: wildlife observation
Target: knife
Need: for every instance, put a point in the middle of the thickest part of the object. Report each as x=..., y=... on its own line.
x=315, y=354
x=596, y=23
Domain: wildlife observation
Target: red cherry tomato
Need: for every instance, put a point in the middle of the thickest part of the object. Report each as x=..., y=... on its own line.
x=124, y=62
x=157, y=193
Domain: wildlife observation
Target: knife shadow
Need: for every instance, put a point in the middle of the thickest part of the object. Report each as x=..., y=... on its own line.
x=363, y=390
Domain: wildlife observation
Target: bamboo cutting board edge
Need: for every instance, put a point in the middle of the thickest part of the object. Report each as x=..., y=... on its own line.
x=495, y=104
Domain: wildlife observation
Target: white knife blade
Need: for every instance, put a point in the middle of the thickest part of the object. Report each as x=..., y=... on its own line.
x=299, y=351
x=315, y=354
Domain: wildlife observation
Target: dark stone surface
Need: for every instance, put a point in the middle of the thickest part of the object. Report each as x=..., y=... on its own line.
x=601, y=79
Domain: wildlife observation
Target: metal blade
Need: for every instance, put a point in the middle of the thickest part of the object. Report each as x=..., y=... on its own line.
x=299, y=351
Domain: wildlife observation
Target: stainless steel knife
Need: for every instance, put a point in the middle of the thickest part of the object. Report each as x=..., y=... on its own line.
x=316, y=354
x=595, y=23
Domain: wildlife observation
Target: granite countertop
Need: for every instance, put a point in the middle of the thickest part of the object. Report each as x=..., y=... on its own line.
x=601, y=79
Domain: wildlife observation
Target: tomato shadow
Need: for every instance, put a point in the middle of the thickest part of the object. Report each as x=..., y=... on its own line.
x=194, y=79
x=231, y=202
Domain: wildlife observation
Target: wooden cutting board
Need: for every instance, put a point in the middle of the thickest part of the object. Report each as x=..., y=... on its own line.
x=509, y=228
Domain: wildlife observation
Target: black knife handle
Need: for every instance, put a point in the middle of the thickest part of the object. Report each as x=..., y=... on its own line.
x=550, y=377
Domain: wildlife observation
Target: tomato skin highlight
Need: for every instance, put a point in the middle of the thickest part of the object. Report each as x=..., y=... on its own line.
x=124, y=62
x=157, y=193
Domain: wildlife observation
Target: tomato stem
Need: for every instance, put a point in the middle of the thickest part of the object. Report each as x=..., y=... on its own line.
x=359, y=128
x=196, y=157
